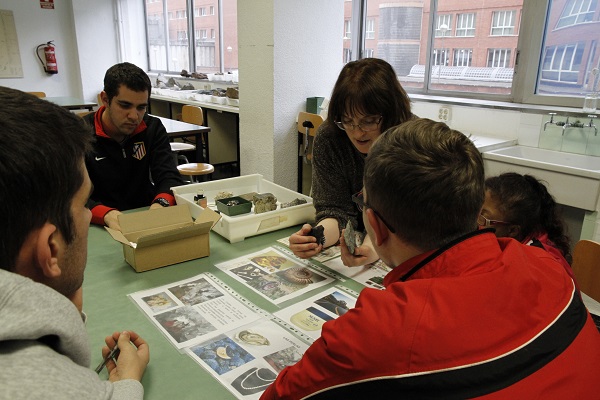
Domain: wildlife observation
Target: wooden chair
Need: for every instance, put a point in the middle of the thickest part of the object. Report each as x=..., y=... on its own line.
x=38, y=94
x=308, y=124
x=586, y=267
x=194, y=115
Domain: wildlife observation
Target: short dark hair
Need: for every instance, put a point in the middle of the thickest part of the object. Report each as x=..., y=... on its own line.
x=370, y=86
x=126, y=74
x=525, y=201
x=427, y=181
x=43, y=148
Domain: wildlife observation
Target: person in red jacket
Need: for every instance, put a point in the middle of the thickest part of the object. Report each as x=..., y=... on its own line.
x=520, y=207
x=464, y=314
x=131, y=165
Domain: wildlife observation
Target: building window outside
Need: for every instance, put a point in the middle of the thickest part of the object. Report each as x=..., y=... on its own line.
x=498, y=58
x=444, y=25
x=368, y=53
x=347, y=32
x=577, y=12
x=370, y=29
x=562, y=63
x=465, y=25
x=440, y=57
x=503, y=23
x=169, y=52
x=463, y=57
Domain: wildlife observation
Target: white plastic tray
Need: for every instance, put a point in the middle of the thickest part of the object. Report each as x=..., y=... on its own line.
x=239, y=227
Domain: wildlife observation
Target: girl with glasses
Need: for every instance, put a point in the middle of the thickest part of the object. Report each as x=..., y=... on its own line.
x=520, y=206
x=367, y=99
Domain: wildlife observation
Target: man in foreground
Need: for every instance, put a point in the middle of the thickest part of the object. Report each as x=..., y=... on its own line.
x=44, y=189
x=131, y=165
x=464, y=314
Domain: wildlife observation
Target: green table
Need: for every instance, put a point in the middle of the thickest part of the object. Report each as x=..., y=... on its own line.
x=108, y=281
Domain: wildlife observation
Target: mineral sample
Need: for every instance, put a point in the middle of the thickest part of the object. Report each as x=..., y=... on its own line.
x=223, y=195
x=352, y=238
x=295, y=202
x=319, y=233
x=264, y=202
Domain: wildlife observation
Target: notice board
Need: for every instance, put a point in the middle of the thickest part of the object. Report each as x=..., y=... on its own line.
x=10, y=57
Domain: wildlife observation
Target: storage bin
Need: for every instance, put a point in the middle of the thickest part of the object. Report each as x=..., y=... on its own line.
x=238, y=227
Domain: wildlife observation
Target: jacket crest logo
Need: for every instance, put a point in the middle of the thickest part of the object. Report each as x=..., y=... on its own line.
x=139, y=150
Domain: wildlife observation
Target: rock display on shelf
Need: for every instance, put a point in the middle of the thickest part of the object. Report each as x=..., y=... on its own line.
x=264, y=202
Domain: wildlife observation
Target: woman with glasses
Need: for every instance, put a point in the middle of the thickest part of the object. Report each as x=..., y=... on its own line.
x=367, y=99
x=520, y=206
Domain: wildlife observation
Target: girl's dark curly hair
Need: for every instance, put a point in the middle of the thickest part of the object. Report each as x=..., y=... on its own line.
x=525, y=201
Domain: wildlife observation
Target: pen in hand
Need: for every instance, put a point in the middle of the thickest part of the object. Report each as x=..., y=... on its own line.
x=114, y=353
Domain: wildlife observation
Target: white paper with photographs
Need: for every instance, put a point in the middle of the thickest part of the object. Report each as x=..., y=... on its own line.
x=370, y=275
x=308, y=316
x=274, y=275
x=326, y=254
x=193, y=310
x=247, y=360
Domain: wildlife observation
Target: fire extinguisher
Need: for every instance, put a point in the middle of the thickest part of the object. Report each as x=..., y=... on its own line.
x=50, y=66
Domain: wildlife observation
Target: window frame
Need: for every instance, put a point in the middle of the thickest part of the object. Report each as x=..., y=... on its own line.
x=466, y=24
x=526, y=56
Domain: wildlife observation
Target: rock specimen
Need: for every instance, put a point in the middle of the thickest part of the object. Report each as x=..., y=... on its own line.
x=264, y=202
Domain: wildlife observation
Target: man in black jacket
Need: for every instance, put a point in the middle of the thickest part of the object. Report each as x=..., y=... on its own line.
x=131, y=165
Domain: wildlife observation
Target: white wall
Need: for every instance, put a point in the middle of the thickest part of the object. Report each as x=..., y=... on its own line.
x=35, y=26
x=294, y=52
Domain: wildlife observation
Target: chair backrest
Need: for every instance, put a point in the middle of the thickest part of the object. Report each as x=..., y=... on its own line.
x=38, y=94
x=586, y=267
x=315, y=119
x=192, y=114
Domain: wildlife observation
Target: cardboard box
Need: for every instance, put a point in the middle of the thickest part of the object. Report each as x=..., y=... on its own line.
x=238, y=227
x=164, y=236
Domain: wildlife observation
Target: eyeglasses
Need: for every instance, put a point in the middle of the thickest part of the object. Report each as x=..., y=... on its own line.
x=360, y=202
x=366, y=125
x=483, y=221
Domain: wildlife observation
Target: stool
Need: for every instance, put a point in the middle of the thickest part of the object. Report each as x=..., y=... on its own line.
x=176, y=147
x=195, y=169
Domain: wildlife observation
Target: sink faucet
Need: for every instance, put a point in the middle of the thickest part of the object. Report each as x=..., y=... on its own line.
x=551, y=122
x=592, y=125
x=566, y=125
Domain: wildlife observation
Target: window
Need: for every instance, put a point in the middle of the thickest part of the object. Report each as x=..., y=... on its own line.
x=562, y=63
x=444, y=25
x=370, y=31
x=347, y=33
x=498, y=58
x=369, y=53
x=465, y=25
x=577, y=12
x=440, y=57
x=169, y=46
x=463, y=57
x=503, y=23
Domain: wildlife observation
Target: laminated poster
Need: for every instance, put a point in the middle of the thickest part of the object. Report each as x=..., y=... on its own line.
x=248, y=359
x=308, y=316
x=274, y=275
x=193, y=310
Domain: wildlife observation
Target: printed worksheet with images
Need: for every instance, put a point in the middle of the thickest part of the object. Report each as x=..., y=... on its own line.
x=248, y=359
x=370, y=275
x=193, y=310
x=274, y=275
x=308, y=316
x=326, y=254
